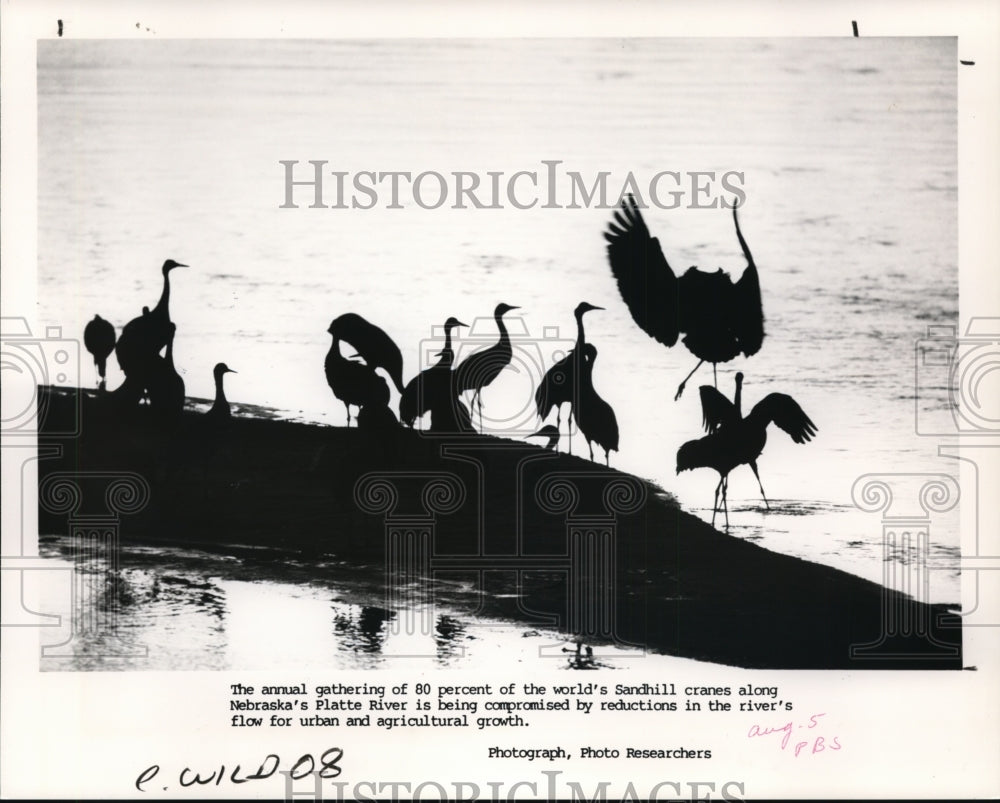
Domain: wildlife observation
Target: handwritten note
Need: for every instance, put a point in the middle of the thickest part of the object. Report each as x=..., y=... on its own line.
x=812, y=744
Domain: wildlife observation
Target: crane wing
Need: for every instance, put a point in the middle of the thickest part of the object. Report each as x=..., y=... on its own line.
x=556, y=386
x=748, y=310
x=784, y=411
x=645, y=281
x=716, y=409
x=481, y=368
x=372, y=344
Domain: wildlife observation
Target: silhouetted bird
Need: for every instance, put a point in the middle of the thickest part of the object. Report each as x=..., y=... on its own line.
x=592, y=414
x=720, y=318
x=352, y=382
x=550, y=432
x=734, y=440
x=144, y=337
x=375, y=416
x=451, y=417
x=375, y=347
x=559, y=385
x=480, y=369
x=99, y=338
x=433, y=388
x=166, y=387
x=220, y=407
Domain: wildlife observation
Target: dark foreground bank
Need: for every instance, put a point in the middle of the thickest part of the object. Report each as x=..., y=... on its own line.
x=550, y=539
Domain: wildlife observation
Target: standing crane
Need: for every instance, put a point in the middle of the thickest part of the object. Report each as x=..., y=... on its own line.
x=144, y=337
x=560, y=385
x=166, y=387
x=352, y=382
x=433, y=390
x=735, y=441
x=594, y=416
x=481, y=368
x=99, y=338
x=372, y=344
x=220, y=407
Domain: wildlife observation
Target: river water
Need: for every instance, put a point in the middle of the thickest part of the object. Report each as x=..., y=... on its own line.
x=847, y=149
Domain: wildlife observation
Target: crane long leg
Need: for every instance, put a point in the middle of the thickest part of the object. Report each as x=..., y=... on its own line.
x=348, y=408
x=753, y=465
x=725, y=502
x=680, y=388
x=715, y=501
x=591, y=447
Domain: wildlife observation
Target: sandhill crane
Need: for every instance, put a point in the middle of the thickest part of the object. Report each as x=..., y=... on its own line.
x=433, y=390
x=220, y=407
x=480, y=369
x=372, y=344
x=352, y=382
x=719, y=318
x=166, y=387
x=734, y=440
x=144, y=337
x=550, y=432
x=594, y=416
x=559, y=385
x=99, y=338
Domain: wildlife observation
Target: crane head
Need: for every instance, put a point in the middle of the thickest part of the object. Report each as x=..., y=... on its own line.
x=169, y=265
x=451, y=323
x=583, y=307
x=502, y=309
x=221, y=368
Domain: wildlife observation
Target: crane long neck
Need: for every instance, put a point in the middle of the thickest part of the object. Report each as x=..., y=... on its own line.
x=504, y=337
x=170, y=353
x=447, y=355
x=579, y=332
x=163, y=305
x=220, y=394
x=743, y=243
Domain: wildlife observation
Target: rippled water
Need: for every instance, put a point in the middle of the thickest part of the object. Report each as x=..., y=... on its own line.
x=187, y=609
x=149, y=150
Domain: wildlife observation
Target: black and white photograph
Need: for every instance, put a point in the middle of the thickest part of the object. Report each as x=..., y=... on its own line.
x=362, y=386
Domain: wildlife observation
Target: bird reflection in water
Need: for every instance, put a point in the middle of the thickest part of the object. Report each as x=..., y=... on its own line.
x=362, y=628
x=368, y=628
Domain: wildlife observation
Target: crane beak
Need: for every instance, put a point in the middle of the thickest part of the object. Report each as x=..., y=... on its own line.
x=231, y=371
x=462, y=324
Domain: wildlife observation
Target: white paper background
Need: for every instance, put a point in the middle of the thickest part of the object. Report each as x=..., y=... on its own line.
x=904, y=734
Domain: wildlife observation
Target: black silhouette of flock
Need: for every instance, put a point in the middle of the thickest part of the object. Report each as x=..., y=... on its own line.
x=149, y=377
x=719, y=320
